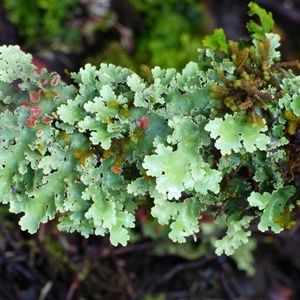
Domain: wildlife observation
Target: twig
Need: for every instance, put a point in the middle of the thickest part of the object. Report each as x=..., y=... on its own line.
x=125, y=277
x=190, y=265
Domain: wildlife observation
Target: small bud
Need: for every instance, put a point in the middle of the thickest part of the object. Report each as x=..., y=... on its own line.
x=41, y=93
x=26, y=103
x=54, y=81
x=39, y=133
x=116, y=170
x=34, y=97
x=113, y=104
x=31, y=122
x=35, y=111
x=46, y=119
x=125, y=112
x=43, y=82
x=143, y=122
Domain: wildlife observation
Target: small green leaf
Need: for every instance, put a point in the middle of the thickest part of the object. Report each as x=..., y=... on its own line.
x=217, y=40
x=235, y=235
x=266, y=19
x=274, y=39
x=88, y=74
x=99, y=132
x=119, y=232
x=102, y=211
x=186, y=222
x=70, y=112
x=234, y=133
x=295, y=105
x=15, y=65
x=170, y=170
x=272, y=206
x=164, y=211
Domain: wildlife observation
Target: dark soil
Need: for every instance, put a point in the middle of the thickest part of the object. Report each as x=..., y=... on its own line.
x=59, y=266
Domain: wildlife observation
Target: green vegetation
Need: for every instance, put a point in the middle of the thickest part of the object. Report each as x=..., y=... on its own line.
x=171, y=25
x=217, y=138
x=176, y=28
x=42, y=22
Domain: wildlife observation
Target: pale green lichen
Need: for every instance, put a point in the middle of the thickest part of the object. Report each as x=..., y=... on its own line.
x=177, y=141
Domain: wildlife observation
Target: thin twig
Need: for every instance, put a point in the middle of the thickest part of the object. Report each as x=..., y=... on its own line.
x=122, y=272
x=189, y=265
